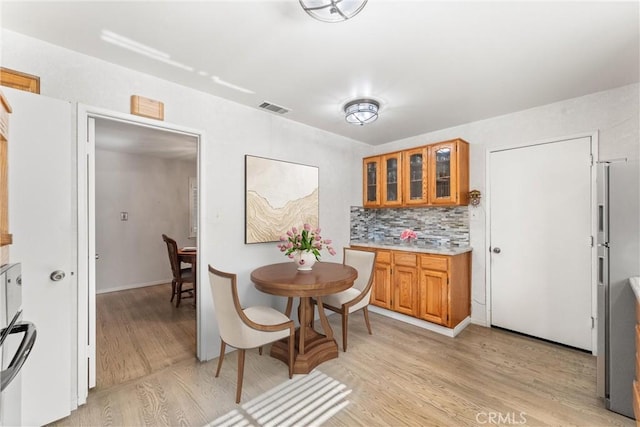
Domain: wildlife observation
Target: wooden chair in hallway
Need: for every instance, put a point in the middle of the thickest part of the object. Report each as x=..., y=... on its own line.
x=180, y=275
x=356, y=297
x=246, y=328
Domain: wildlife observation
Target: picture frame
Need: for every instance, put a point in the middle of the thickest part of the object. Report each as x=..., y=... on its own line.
x=278, y=195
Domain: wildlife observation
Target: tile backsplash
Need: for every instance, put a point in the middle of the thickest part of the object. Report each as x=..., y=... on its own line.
x=434, y=225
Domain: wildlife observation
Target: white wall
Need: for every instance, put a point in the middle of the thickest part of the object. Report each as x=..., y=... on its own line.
x=614, y=114
x=155, y=193
x=230, y=131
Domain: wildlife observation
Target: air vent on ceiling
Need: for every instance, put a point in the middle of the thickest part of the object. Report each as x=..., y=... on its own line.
x=273, y=107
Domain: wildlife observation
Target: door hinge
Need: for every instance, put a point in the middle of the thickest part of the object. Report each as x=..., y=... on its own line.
x=591, y=159
x=593, y=322
x=591, y=241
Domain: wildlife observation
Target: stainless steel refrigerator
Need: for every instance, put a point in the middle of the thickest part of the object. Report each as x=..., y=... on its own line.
x=618, y=259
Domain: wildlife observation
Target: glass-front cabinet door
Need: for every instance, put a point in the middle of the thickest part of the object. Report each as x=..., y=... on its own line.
x=442, y=173
x=392, y=173
x=371, y=181
x=415, y=176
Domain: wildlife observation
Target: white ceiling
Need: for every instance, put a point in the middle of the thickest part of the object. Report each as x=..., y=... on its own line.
x=112, y=135
x=431, y=65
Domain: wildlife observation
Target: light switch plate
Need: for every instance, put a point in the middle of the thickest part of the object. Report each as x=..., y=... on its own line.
x=124, y=216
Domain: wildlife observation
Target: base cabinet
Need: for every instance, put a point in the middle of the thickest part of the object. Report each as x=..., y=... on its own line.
x=405, y=283
x=381, y=293
x=435, y=288
x=433, y=304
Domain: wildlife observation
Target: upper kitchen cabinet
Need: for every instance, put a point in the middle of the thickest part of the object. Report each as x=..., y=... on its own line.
x=415, y=176
x=448, y=173
x=391, y=179
x=371, y=181
x=382, y=180
x=431, y=175
x=5, y=110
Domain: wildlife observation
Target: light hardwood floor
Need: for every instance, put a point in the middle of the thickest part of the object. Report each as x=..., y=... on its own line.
x=139, y=331
x=402, y=375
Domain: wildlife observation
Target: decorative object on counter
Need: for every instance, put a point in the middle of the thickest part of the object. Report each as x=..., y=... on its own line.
x=361, y=111
x=408, y=235
x=474, y=198
x=278, y=194
x=332, y=10
x=304, y=245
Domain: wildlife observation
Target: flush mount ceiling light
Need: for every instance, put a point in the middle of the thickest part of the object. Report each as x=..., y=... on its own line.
x=332, y=10
x=361, y=111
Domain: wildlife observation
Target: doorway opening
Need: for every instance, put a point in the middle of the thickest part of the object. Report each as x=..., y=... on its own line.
x=143, y=179
x=136, y=181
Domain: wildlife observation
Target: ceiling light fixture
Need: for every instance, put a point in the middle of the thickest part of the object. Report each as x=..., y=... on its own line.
x=361, y=111
x=332, y=10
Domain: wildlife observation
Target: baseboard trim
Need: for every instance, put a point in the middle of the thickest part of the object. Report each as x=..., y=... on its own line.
x=422, y=323
x=480, y=323
x=132, y=286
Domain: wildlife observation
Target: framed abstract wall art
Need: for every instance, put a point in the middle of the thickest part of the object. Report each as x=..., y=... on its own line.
x=278, y=196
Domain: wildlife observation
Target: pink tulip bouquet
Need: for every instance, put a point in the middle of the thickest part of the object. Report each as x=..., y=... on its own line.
x=408, y=235
x=304, y=239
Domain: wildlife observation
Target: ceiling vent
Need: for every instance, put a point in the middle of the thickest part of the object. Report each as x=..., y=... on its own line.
x=273, y=107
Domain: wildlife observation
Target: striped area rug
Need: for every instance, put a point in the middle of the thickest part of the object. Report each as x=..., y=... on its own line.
x=305, y=400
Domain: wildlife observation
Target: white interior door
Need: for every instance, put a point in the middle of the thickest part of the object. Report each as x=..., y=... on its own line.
x=40, y=215
x=540, y=222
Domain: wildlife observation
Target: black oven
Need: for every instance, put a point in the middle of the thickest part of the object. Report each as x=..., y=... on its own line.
x=17, y=338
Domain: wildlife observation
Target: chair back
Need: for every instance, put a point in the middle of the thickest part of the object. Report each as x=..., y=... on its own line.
x=226, y=303
x=172, y=249
x=363, y=262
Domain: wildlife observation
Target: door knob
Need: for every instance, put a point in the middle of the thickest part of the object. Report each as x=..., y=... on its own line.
x=57, y=275
x=496, y=250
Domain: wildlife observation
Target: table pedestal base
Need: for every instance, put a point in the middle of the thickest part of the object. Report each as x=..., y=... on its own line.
x=317, y=349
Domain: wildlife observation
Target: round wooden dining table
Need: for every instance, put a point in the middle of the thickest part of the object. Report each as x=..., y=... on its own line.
x=284, y=279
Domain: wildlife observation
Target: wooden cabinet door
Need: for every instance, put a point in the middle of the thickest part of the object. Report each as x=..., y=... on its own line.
x=414, y=178
x=381, y=292
x=405, y=288
x=5, y=236
x=371, y=182
x=443, y=174
x=391, y=179
x=434, y=296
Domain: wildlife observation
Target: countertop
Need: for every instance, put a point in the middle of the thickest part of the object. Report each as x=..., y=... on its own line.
x=427, y=249
x=635, y=285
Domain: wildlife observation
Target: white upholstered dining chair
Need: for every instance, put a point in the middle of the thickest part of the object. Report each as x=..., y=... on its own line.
x=356, y=297
x=246, y=328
